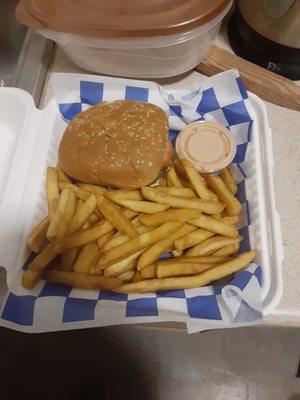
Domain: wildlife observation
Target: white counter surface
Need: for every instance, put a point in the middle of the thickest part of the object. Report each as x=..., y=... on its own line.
x=285, y=126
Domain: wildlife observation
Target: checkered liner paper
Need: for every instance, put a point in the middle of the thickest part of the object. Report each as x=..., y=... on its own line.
x=232, y=302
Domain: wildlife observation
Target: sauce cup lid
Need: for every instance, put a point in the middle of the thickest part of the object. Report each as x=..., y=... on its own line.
x=209, y=146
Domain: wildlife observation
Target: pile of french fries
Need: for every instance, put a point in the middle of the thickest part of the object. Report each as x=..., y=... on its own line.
x=98, y=238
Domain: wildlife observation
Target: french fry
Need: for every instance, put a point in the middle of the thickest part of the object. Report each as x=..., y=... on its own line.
x=153, y=253
x=177, y=191
x=94, y=218
x=227, y=178
x=211, y=245
x=196, y=180
x=232, y=205
x=31, y=278
x=136, y=277
x=80, y=193
x=62, y=176
x=104, y=239
x=213, y=197
x=176, y=253
x=230, y=220
x=180, y=171
x=44, y=258
x=129, y=214
x=187, y=184
x=52, y=191
x=172, y=178
x=117, y=195
x=212, y=194
x=181, y=269
x=160, y=181
x=148, y=272
x=197, y=259
x=228, y=250
x=211, y=275
x=117, y=240
x=86, y=258
x=214, y=225
x=125, y=265
x=206, y=206
x=80, y=238
x=179, y=215
x=192, y=239
x=83, y=213
x=61, y=220
x=115, y=217
x=82, y=281
x=135, y=222
x=147, y=207
x=132, y=246
x=126, y=276
x=37, y=237
x=87, y=224
x=92, y=189
x=68, y=259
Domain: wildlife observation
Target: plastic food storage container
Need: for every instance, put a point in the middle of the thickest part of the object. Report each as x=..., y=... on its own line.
x=155, y=39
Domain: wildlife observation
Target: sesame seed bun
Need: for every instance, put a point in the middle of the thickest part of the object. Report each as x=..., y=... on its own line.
x=121, y=144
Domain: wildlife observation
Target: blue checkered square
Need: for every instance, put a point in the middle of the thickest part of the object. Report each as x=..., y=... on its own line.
x=248, y=213
x=241, y=192
x=236, y=113
x=144, y=307
x=209, y=102
x=78, y=310
x=205, y=307
x=175, y=110
x=19, y=309
x=245, y=243
x=179, y=294
x=70, y=110
x=91, y=92
x=136, y=93
x=165, y=256
x=258, y=274
x=240, y=153
x=55, y=289
x=173, y=136
x=241, y=279
x=242, y=88
x=109, y=295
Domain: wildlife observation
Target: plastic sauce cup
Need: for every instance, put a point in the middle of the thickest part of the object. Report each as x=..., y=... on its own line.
x=207, y=145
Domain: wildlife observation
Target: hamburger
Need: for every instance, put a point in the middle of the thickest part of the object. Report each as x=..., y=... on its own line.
x=123, y=144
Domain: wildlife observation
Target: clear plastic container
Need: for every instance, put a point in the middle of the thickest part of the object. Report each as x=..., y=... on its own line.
x=149, y=56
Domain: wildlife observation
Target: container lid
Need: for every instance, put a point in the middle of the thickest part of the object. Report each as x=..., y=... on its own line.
x=119, y=18
x=207, y=145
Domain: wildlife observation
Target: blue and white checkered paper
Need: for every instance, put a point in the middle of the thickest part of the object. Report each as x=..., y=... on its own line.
x=232, y=302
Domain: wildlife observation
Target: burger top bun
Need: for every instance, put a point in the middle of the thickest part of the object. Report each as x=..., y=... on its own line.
x=120, y=144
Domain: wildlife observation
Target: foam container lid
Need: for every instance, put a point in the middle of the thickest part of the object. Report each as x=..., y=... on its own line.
x=25, y=135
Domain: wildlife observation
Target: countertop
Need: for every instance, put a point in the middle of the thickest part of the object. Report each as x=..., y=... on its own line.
x=285, y=126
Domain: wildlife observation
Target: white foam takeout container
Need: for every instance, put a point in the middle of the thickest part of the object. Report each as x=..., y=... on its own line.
x=29, y=139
